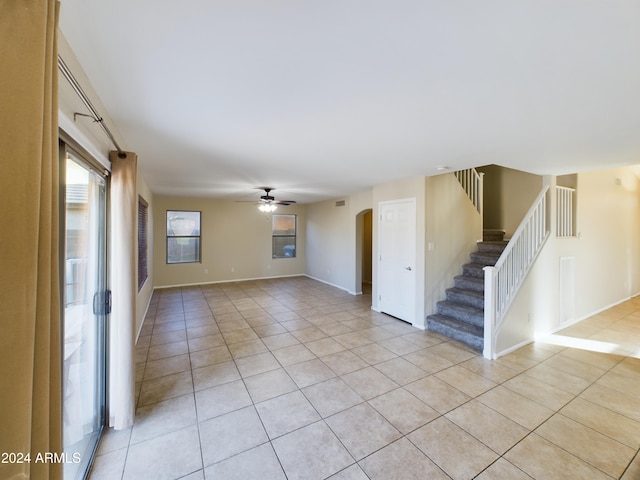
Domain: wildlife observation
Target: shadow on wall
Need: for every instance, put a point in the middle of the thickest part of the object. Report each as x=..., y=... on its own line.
x=508, y=195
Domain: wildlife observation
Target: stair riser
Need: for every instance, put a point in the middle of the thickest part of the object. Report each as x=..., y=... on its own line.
x=472, y=270
x=473, y=341
x=465, y=299
x=493, y=235
x=467, y=283
x=449, y=310
x=484, y=258
x=491, y=247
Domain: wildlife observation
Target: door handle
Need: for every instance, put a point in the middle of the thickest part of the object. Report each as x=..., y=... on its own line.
x=408, y=268
x=102, y=302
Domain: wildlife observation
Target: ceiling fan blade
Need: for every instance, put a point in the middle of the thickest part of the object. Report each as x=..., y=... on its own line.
x=284, y=202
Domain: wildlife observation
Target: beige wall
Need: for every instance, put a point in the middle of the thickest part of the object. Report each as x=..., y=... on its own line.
x=452, y=230
x=236, y=243
x=445, y=218
x=608, y=222
x=328, y=243
x=508, y=194
x=413, y=187
x=606, y=252
x=334, y=241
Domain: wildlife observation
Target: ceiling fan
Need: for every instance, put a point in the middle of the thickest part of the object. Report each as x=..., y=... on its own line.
x=268, y=202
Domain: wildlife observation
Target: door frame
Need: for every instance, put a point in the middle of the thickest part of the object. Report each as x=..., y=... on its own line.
x=67, y=144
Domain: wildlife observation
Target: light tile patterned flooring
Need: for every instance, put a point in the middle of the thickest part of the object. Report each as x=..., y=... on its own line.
x=294, y=379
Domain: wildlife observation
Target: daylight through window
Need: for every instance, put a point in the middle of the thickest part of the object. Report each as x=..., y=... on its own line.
x=183, y=237
x=283, y=236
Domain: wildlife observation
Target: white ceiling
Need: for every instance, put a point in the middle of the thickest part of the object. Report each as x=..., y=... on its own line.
x=322, y=98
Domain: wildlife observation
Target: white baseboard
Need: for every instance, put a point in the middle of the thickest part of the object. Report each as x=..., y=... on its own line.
x=511, y=349
x=146, y=310
x=562, y=327
x=235, y=280
x=333, y=285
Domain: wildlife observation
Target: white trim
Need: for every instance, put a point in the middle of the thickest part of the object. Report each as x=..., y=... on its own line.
x=510, y=349
x=144, y=317
x=332, y=285
x=561, y=327
x=585, y=317
x=227, y=281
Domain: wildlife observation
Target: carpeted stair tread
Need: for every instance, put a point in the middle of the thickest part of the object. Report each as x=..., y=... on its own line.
x=473, y=270
x=470, y=335
x=464, y=313
x=484, y=258
x=461, y=315
x=492, y=246
x=463, y=296
x=467, y=282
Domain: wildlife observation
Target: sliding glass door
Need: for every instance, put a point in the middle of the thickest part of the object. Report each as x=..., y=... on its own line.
x=85, y=308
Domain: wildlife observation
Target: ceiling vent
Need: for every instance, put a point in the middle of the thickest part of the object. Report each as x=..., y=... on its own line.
x=341, y=203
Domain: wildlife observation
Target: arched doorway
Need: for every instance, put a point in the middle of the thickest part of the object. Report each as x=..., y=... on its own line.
x=364, y=251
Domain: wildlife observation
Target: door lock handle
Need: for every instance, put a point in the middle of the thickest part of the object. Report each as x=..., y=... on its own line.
x=408, y=268
x=102, y=302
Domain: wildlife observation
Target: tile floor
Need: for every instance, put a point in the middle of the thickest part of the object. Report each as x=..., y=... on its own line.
x=294, y=379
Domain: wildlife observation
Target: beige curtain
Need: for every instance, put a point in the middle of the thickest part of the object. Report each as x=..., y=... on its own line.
x=30, y=347
x=123, y=282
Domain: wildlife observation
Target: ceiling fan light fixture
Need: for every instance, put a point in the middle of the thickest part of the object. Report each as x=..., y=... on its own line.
x=267, y=207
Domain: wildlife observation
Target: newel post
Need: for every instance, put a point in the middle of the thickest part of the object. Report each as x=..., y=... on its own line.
x=481, y=203
x=489, y=312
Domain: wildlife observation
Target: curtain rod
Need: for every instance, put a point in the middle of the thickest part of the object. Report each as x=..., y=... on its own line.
x=85, y=99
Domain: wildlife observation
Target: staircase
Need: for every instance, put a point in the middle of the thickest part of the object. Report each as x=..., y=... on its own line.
x=461, y=315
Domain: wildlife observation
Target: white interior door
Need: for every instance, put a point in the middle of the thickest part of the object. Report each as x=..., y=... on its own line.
x=397, y=258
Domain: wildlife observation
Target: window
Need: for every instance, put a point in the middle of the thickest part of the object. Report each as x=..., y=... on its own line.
x=283, y=236
x=143, y=208
x=183, y=237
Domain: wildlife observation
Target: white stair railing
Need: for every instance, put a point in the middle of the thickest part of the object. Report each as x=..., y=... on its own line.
x=472, y=182
x=502, y=281
x=565, y=200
